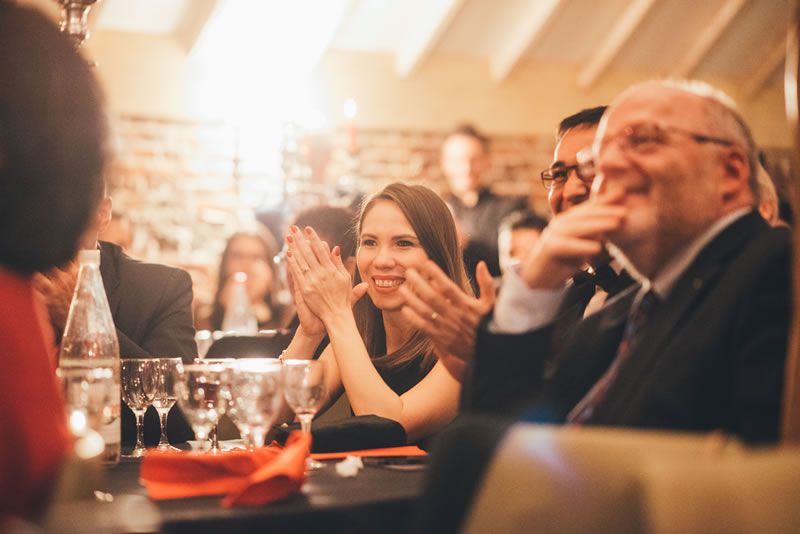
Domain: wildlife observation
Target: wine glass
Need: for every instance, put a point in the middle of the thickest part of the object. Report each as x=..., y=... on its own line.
x=203, y=396
x=227, y=362
x=139, y=386
x=256, y=392
x=304, y=388
x=167, y=370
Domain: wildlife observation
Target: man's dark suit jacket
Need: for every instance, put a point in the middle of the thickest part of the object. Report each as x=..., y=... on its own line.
x=579, y=291
x=152, y=309
x=712, y=356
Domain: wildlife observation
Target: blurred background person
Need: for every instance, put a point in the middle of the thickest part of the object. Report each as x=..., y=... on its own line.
x=465, y=159
x=767, y=198
x=53, y=134
x=335, y=226
x=251, y=253
x=517, y=234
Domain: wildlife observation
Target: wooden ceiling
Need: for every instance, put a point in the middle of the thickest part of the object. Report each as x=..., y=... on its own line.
x=741, y=42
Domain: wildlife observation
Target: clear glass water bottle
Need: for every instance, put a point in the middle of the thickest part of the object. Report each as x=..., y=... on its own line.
x=90, y=342
x=239, y=317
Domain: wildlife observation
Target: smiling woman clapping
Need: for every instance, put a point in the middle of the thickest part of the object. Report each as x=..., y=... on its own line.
x=386, y=366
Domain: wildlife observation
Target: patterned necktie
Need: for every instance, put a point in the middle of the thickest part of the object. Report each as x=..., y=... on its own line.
x=638, y=319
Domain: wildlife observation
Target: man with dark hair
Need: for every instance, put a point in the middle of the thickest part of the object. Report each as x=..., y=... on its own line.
x=53, y=136
x=151, y=305
x=585, y=117
x=335, y=226
x=592, y=282
x=478, y=212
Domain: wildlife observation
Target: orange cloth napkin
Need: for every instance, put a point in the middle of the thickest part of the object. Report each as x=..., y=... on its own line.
x=247, y=478
x=369, y=453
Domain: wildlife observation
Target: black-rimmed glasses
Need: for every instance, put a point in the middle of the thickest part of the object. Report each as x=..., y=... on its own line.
x=557, y=175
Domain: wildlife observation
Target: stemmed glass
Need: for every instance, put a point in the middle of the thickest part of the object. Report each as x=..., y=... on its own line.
x=139, y=384
x=304, y=388
x=256, y=393
x=167, y=370
x=226, y=362
x=203, y=396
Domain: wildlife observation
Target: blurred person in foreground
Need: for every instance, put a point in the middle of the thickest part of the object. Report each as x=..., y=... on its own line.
x=465, y=160
x=53, y=135
x=699, y=344
x=386, y=366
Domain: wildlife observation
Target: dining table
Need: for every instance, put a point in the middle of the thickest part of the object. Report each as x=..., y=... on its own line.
x=379, y=498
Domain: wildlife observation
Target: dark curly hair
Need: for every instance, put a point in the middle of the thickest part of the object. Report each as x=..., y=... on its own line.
x=53, y=135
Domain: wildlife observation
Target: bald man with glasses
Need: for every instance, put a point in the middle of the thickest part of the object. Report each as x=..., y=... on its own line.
x=697, y=345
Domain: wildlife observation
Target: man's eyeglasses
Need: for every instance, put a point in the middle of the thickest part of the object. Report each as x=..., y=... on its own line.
x=557, y=175
x=642, y=139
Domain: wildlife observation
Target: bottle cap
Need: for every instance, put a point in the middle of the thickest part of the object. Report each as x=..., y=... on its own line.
x=89, y=257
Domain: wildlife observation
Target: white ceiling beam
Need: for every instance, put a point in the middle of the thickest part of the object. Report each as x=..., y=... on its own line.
x=713, y=30
x=195, y=17
x=94, y=16
x=616, y=38
x=430, y=24
x=336, y=22
x=533, y=18
x=765, y=70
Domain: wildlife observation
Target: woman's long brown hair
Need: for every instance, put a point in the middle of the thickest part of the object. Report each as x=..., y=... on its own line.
x=433, y=223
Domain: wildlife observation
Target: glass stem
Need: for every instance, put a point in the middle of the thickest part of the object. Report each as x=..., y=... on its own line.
x=163, y=417
x=305, y=423
x=139, y=430
x=213, y=437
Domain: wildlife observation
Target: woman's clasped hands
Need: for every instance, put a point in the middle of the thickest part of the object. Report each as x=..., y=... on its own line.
x=322, y=286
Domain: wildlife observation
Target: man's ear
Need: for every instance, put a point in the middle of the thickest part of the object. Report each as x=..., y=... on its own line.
x=737, y=172
x=103, y=214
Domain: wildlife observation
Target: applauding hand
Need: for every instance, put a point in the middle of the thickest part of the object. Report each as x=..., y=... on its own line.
x=570, y=240
x=322, y=284
x=448, y=315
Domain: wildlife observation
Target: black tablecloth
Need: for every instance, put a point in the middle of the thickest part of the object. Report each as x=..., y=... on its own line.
x=379, y=499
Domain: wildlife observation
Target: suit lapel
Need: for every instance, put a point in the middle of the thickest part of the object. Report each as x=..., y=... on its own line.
x=109, y=271
x=587, y=353
x=673, y=312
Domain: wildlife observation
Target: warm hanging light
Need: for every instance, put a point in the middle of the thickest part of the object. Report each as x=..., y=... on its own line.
x=75, y=19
